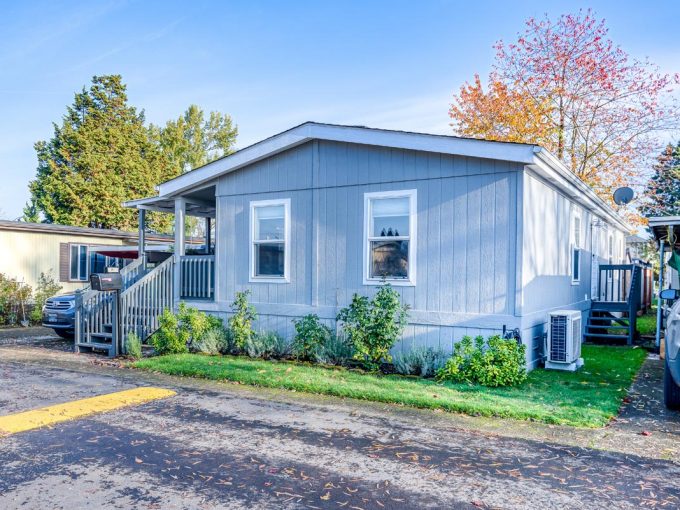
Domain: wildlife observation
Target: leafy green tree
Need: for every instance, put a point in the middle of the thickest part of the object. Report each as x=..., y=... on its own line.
x=100, y=156
x=662, y=196
x=192, y=140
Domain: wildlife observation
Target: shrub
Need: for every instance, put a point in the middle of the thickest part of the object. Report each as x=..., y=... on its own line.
x=133, y=346
x=14, y=296
x=267, y=345
x=169, y=339
x=495, y=362
x=46, y=288
x=374, y=326
x=178, y=331
x=422, y=361
x=336, y=350
x=241, y=323
x=310, y=336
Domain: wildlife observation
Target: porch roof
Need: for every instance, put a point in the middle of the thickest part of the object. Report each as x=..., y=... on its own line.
x=194, y=207
x=661, y=225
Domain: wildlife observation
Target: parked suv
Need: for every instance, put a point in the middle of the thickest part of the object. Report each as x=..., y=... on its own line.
x=671, y=379
x=59, y=313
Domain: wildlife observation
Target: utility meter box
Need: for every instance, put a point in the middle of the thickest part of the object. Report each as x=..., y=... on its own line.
x=106, y=281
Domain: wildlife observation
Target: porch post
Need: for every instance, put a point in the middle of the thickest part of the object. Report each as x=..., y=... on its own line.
x=659, y=312
x=208, y=235
x=141, y=238
x=180, y=213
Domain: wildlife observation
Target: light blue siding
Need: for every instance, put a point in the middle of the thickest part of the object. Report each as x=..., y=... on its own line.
x=466, y=236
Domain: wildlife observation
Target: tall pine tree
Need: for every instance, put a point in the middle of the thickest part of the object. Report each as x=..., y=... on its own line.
x=663, y=189
x=100, y=156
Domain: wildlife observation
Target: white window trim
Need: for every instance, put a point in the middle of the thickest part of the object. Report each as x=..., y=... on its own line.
x=412, y=194
x=575, y=247
x=70, y=262
x=285, y=202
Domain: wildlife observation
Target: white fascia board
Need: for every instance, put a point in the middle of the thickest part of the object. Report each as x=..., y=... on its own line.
x=241, y=158
x=663, y=221
x=519, y=153
x=552, y=169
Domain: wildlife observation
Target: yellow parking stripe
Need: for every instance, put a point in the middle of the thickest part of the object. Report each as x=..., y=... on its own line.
x=46, y=416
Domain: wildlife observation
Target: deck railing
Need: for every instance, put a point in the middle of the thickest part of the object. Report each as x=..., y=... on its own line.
x=197, y=277
x=614, y=282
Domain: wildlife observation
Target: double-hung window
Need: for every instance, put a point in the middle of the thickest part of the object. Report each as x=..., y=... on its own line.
x=270, y=235
x=78, y=262
x=390, y=237
x=576, y=251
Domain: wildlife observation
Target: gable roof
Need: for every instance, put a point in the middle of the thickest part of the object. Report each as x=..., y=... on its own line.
x=536, y=158
x=444, y=144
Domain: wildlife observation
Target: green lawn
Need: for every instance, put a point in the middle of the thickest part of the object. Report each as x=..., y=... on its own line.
x=588, y=398
x=646, y=324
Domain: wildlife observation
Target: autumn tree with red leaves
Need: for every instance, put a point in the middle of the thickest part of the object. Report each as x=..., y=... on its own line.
x=566, y=86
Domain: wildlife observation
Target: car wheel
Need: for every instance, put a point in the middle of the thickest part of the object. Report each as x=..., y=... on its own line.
x=68, y=335
x=671, y=391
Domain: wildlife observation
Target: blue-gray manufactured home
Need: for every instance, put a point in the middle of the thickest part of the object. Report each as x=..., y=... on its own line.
x=476, y=235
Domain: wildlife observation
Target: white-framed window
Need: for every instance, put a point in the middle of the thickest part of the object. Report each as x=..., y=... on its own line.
x=576, y=250
x=610, y=249
x=390, y=237
x=270, y=241
x=78, y=263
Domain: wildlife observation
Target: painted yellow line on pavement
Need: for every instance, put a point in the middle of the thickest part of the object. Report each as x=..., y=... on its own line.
x=46, y=416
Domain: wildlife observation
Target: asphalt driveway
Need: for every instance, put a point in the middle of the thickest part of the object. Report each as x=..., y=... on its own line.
x=226, y=446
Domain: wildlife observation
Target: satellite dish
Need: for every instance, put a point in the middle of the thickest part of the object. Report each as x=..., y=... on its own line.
x=623, y=196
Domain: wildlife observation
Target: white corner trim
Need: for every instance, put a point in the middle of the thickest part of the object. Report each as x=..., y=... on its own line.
x=412, y=195
x=285, y=202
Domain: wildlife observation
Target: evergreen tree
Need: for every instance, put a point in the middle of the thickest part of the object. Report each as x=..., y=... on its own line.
x=31, y=213
x=663, y=189
x=192, y=140
x=100, y=156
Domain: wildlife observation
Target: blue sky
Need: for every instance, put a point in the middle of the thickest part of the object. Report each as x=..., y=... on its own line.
x=271, y=65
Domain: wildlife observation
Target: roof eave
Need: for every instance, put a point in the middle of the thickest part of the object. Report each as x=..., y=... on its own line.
x=564, y=179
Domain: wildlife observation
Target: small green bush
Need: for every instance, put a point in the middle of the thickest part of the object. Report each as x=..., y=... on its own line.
x=421, y=361
x=374, y=326
x=46, y=288
x=133, y=346
x=310, y=336
x=178, y=331
x=336, y=350
x=241, y=323
x=267, y=345
x=494, y=362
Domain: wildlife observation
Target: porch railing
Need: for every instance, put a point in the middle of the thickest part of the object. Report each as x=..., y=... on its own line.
x=197, y=277
x=614, y=282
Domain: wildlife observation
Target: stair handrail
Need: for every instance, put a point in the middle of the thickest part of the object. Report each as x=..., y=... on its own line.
x=144, y=301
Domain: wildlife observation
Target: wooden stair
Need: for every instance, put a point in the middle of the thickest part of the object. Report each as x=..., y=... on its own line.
x=613, y=316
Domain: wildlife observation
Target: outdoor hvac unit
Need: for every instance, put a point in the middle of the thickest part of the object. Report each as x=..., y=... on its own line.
x=564, y=341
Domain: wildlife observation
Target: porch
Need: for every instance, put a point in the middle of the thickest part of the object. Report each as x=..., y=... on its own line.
x=194, y=266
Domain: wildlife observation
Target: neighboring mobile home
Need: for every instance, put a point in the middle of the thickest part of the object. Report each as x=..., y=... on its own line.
x=67, y=253
x=476, y=235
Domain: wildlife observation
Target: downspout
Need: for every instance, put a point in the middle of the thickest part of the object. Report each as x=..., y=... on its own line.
x=659, y=316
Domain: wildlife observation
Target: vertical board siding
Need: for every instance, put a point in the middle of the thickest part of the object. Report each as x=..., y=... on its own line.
x=466, y=221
